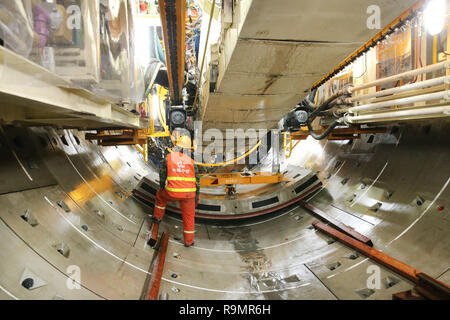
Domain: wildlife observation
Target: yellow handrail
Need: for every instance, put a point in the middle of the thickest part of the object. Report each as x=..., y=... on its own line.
x=291, y=147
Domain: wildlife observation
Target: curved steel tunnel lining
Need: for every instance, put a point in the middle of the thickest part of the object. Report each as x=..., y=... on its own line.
x=87, y=209
x=261, y=261
x=443, y=172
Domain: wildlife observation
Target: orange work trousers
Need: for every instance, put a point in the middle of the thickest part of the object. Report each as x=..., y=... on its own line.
x=187, y=206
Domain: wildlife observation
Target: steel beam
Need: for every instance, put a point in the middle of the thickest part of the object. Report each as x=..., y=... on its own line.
x=426, y=285
x=353, y=132
x=219, y=179
x=158, y=268
x=337, y=224
x=399, y=267
x=118, y=137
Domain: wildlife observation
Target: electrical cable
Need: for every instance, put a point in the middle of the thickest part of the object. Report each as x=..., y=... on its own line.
x=325, y=133
x=365, y=67
x=211, y=17
x=213, y=164
x=324, y=106
x=231, y=161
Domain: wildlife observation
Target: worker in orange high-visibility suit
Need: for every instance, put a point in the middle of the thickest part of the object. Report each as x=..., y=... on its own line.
x=183, y=185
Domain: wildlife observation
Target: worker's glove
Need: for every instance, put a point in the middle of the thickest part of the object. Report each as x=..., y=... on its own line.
x=197, y=198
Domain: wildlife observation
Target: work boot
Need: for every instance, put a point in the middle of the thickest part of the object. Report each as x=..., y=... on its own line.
x=156, y=220
x=154, y=232
x=189, y=245
x=152, y=242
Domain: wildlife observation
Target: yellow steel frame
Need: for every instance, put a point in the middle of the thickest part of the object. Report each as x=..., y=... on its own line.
x=138, y=138
x=118, y=137
x=219, y=179
x=350, y=133
x=143, y=149
x=162, y=93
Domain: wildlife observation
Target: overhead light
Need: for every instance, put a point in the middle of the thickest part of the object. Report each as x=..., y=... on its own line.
x=435, y=14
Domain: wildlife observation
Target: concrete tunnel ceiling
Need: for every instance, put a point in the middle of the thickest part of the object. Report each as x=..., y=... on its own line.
x=68, y=202
x=281, y=50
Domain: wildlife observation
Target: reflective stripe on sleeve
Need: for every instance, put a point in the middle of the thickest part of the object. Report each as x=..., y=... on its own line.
x=162, y=208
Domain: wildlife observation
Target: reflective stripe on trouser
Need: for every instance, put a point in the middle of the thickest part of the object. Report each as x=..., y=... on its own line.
x=187, y=207
x=160, y=205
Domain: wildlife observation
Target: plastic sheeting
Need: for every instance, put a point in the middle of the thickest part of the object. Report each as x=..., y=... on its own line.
x=394, y=54
x=16, y=29
x=89, y=43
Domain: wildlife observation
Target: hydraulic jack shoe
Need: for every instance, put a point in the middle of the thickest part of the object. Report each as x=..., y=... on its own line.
x=154, y=232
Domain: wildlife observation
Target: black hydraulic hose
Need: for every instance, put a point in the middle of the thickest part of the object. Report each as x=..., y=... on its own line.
x=304, y=108
x=333, y=97
x=325, y=133
x=317, y=109
x=327, y=104
x=331, y=102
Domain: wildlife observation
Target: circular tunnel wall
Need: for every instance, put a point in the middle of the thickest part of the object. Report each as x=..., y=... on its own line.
x=68, y=211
